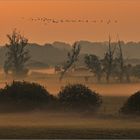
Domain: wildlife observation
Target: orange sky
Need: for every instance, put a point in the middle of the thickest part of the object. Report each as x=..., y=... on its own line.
x=126, y=12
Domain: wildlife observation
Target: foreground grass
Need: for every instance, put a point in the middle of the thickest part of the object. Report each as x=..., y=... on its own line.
x=64, y=133
x=107, y=123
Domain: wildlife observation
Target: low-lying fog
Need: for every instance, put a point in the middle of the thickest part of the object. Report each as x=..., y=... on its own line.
x=107, y=117
x=49, y=79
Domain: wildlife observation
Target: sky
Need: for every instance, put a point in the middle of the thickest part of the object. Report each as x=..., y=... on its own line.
x=18, y=13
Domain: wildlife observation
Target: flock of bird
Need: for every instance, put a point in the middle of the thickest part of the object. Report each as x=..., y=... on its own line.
x=46, y=20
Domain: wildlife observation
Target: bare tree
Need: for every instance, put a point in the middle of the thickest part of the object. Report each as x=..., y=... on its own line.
x=108, y=61
x=120, y=62
x=128, y=72
x=72, y=57
x=94, y=65
x=136, y=71
x=17, y=55
x=122, y=70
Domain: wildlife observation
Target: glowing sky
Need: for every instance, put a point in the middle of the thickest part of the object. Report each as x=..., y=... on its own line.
x=126, y=12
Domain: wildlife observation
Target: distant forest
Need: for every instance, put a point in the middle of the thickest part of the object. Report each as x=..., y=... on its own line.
x=56, y=53
x=105, y=60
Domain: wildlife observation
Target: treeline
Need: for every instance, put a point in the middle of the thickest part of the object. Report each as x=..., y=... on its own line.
x=112, y=66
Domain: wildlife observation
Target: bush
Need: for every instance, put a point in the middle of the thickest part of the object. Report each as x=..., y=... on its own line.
x=132, y=105
x=26, y=95
x=79, y=97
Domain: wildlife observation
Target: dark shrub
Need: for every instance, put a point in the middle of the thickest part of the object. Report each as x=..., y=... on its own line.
x=79, y=97
x=132, y=105
x=26, y=95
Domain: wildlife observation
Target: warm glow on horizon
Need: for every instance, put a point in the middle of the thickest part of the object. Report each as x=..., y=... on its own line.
x=126, y=12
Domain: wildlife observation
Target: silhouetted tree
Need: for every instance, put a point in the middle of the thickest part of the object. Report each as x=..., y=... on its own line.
x=25, y=95
x=120, y=69
x=94, y=65
x=136, y=71
x=108, y=61
x=72, y=57
x=119, y=63
x=128, y=72
x=17, y=55
x=132, y=105
x=79, y=97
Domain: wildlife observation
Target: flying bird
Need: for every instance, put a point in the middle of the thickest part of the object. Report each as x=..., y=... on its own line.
x=47, y=21
x=109, y=21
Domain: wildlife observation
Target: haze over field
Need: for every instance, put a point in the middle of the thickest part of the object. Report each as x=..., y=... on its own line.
x=69, y=69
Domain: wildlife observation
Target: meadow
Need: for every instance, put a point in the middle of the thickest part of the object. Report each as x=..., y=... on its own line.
x=106, y=123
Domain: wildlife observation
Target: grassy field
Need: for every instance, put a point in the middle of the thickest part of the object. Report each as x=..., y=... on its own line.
x=107, y=123
x=66, y=133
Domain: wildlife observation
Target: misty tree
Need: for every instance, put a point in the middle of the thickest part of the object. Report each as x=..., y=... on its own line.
x=136, y=71
x=108, y=61
x=17, y=55
x=124, y=70
x=72, y=57
x=94, y=65
x=120, y=62
x=128, y=72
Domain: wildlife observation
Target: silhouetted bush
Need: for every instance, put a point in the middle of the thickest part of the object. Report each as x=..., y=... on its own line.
x=25, y=95
x=79, y=97
x=132, y=105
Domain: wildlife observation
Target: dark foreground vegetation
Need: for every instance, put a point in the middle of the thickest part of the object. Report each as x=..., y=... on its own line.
x=79, y=97
x=132, y=105
x=26, y=96
x=106, y=123
x=20, y=96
